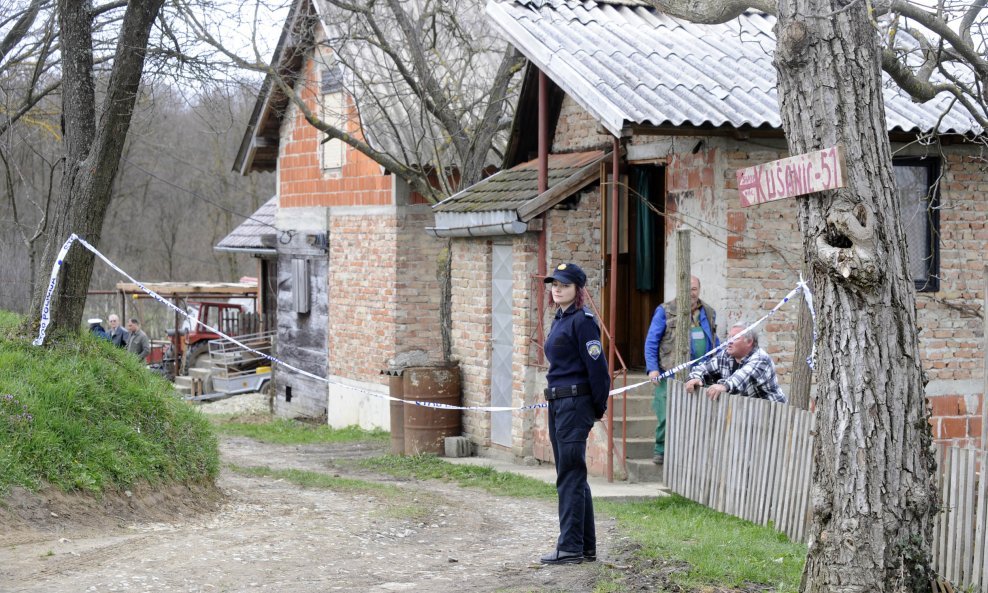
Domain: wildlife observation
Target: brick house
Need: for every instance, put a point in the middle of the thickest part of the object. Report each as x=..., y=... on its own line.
x=352, y=266
x=685, y=105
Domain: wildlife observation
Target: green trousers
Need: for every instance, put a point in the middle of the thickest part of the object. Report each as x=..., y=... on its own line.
x=659, y=405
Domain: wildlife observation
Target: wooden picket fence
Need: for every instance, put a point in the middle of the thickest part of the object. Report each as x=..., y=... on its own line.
x=753, y=459
x=960, y=541
x=746, y=457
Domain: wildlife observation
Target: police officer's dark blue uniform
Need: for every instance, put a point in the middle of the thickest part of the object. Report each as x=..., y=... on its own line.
x=578, y=385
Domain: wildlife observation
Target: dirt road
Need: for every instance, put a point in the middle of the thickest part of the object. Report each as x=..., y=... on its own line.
x=267, y=534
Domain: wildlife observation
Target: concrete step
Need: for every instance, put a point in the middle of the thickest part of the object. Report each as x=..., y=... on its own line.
x=183, y=389
x=643, y=470
x=638, y=426
x=639, y=404
x=640, y=448
x=183, y=381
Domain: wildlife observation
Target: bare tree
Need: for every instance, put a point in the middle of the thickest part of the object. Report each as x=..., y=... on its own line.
x=874, y=496
x=431, y=82
x=94, y=136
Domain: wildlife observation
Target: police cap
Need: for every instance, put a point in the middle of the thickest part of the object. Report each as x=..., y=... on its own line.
x=568, y=274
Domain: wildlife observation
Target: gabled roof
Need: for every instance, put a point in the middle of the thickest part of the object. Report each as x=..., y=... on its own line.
x=512, y=196
x=627, y=63
x=254, y=235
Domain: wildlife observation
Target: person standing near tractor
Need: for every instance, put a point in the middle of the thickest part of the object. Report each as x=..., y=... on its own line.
x=118, y=335
x=137, y=341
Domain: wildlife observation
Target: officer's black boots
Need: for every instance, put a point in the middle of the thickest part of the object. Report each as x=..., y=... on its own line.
x=559, y=557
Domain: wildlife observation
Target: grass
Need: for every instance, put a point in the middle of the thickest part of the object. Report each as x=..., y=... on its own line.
x=424, y=467
x=291, y=432
x=720, y=549
x=81, y=414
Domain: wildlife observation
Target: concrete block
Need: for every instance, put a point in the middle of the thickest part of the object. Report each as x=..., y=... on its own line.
x=458, y=447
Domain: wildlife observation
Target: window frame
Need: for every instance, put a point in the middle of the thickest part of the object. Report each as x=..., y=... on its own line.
x=933, y=170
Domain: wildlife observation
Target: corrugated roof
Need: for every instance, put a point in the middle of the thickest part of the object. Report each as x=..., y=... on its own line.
x=249, y=235
x=512, y=188
x=626, y=63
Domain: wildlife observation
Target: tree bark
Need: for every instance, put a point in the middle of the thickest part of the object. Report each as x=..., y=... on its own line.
x=873, y=493
x=92, y=147
x=802, y=374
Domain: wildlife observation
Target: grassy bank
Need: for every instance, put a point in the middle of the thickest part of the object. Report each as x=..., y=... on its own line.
x=81, y=414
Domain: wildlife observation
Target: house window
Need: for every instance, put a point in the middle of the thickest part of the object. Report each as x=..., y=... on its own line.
x=333, y=112
x=919, y=207
x=300, y=285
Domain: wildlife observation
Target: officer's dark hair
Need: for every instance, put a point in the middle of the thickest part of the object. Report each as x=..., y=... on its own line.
x=135, y=321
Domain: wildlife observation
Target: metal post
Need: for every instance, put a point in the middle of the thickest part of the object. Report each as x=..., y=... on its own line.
x=612, y=300
x=543, y=186
x=684, y=307
x=984, y=395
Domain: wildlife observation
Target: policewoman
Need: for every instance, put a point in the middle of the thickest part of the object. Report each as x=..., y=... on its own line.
x=578, y=383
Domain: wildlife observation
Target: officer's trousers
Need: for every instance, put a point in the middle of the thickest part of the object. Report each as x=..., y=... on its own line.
x=570, y=421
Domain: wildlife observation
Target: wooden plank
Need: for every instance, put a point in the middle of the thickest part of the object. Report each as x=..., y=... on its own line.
x=781, y=482
x=755, y=461
x=951, y=570
x=805, y=515
x=725, y=418
x=797, y=175
x=671, y=424
x=750, y=447
x=967, y=517
x=794, y=474
x=980, y=572
x=773, y=467
x=763, y=473
x=785, y=514
x=943, y=516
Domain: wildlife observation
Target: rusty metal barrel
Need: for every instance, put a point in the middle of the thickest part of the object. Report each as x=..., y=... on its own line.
x=426, y=428
x=395, y=385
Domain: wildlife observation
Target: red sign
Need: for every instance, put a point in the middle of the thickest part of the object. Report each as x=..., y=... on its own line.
x=795, y=176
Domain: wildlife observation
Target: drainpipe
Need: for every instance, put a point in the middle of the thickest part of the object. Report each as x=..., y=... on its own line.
x=612, y=301
x=543, y=186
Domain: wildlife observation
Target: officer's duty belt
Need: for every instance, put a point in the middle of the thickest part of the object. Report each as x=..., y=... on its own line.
x=552, y=393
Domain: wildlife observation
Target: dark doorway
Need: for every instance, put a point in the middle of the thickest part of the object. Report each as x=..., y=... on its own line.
x=641, y=255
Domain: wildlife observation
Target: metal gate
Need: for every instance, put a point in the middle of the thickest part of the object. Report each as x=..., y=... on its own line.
x=502, y=338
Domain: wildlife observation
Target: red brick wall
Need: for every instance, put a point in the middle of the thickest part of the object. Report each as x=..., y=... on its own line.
x=362, y=295
x=301, y=180
x=416, y=288
x=764, y=252
x=471, y=331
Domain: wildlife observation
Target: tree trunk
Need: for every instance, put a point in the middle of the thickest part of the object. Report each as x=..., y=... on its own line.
x=92, y=148
x=802, y=374
x=873, y=494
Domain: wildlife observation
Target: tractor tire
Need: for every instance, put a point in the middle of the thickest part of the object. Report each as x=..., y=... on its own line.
x=196, y=356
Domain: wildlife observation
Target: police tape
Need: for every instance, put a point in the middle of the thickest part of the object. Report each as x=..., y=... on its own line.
x=46, y=320
x=57, y=266
x=801, y=286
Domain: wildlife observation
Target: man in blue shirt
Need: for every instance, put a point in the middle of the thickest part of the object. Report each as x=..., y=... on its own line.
x=660, y=345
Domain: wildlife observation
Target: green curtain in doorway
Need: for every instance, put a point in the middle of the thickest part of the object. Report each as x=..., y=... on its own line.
x=644, y=266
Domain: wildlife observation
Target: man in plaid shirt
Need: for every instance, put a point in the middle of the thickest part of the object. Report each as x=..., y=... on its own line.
x=742, y=368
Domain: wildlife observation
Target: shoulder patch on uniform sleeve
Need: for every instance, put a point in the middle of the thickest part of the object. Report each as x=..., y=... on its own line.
x=594, y=349
x=588, y=313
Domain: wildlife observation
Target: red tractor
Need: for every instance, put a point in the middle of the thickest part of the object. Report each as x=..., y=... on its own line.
x=190, y=348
